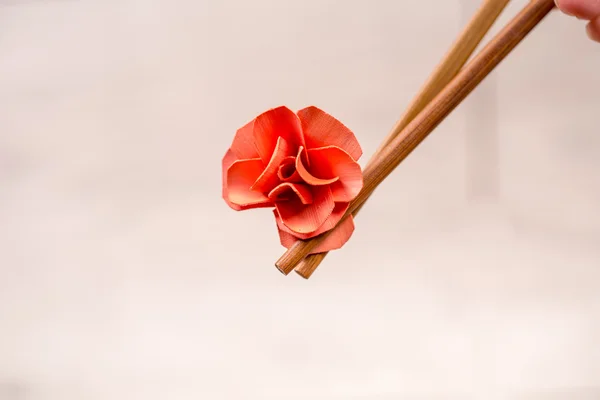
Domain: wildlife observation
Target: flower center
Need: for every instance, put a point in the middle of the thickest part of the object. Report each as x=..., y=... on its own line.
x=287, y=171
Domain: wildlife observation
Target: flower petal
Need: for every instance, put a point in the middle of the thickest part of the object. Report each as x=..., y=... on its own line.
x=228, y=159
x=307, y=176
x=340, y=194
x=334, y=240
x=243, y=142
x=336, y=215
x=321, y=129
x=302, y=192
x=269, y=179
x=287, y=171
x=277, y=122
x=333, y=161
x=300, y=218
x=240, y=176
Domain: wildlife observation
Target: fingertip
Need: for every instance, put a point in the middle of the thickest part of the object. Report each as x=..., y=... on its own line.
x=581, y=9
x=560, y=4
x=593, y=29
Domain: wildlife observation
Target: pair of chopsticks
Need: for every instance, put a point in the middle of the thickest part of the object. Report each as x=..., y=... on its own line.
x=447, y=87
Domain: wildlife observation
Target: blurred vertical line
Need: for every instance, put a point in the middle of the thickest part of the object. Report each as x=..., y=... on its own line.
x=482, y=152
x=481, y=141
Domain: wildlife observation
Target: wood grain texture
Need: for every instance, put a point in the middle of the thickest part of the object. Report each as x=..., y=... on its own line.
x=432, y=115
x=462, y=48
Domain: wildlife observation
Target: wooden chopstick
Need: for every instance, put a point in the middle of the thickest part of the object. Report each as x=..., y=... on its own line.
x=450, y=65
x=432, y=115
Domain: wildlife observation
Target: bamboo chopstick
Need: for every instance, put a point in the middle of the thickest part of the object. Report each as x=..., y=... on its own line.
x=432, y=115
x=452, y=62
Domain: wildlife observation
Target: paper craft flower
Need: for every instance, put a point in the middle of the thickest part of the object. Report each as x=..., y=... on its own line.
x=304, y=165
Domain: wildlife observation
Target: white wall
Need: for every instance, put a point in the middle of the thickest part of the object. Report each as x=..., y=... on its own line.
x=473, y=272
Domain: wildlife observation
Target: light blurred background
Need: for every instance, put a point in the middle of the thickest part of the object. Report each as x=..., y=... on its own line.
x=474, y=272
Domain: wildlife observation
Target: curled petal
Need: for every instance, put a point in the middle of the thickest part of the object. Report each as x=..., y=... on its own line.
x=334, y=241
x=333, y=161
x=243, y=142
x=336, y=215
x=301, y=218
x=340, y=193
x=321, y=129
x=286, y=191
x=269, y=179
x=228, y=159
x=287, y=171
x=306, y=175
x=240, y=177
x=277, y=122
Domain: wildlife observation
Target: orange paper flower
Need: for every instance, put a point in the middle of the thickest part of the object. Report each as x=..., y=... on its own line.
x=304, y=165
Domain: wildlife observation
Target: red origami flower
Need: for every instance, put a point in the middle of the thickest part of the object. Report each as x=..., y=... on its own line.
x=304, y=165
